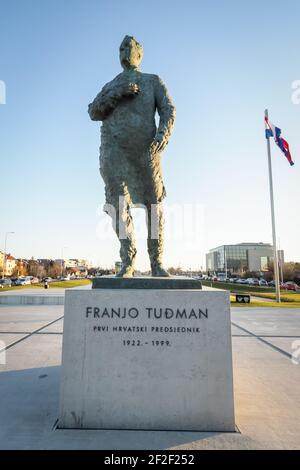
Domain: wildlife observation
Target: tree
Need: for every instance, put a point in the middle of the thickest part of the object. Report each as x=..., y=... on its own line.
x=248, y=274
x=174, y=271
x=291, y=271
x=20, y=269
x=54, y=269
x=33, y=267
x=41, y=272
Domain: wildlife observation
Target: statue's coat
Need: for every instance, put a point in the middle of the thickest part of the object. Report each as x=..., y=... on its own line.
x=127, y=166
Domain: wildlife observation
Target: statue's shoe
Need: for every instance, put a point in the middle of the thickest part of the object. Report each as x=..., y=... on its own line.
x=126, y=271
x=159, y=271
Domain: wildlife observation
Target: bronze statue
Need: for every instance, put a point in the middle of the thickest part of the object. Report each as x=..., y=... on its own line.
x=130, y=150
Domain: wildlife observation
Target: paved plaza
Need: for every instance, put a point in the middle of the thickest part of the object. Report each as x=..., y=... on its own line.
x=266, y=385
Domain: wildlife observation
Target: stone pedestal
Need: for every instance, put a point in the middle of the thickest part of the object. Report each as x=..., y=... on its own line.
x=152, y=359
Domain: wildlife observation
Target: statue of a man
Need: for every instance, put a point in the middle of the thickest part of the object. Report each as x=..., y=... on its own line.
x=130, y=150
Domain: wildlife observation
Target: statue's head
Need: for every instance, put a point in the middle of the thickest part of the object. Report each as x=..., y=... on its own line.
x=131, y=53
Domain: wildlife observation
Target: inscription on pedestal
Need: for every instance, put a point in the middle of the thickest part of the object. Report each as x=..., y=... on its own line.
x=153, y=359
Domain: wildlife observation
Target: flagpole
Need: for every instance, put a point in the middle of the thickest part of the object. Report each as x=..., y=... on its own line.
x=276, y=270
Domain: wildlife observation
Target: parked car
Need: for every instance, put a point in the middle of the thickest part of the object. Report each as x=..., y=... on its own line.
x=21, y=281
x=252, y=281
x=263, y=282
x=242, y=281
x=290, y=285
x=34, y=280
x=5, y=283
x=282, y=285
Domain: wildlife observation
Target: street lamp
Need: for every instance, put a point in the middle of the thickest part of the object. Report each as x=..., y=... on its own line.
x=62, y=260
x=4, y=256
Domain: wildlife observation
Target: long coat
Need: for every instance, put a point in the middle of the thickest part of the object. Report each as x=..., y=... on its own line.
x=128, y=129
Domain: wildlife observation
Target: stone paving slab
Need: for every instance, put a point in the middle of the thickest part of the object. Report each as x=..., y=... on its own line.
x=235, y=331
x=268, y=321
x=9, y=338
x=34, y=352
x=20, y=318
x=290, y=345
x=56, y=327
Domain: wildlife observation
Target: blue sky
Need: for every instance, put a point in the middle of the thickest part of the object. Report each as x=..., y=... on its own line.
x=223, y=62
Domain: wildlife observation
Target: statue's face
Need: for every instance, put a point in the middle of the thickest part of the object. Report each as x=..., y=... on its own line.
x=130, y=53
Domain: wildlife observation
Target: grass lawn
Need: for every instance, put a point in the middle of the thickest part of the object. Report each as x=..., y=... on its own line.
x=286, y=296
x=31, y=286
x=245, y=289
x=69, y=284
x=288, y=299
x=258, y=303
x=56, y=284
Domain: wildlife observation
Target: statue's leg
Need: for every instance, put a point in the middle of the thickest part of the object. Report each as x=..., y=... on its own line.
x=125, y=231
x=155, y=222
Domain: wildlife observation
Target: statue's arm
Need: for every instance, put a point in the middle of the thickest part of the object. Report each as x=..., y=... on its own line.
x=167, y=114
x=104, y=103
x=108, y=98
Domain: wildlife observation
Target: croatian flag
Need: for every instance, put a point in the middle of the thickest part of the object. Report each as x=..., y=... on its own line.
x=273, y=131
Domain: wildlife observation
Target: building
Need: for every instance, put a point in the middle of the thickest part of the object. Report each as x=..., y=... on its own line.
x=1, y=262
x=77, y=263
x=71, y=263
x=45, y=262
x=9, y=264
x=84, y=263
x=239, y=258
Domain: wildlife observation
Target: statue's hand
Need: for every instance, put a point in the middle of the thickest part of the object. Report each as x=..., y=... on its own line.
x=130, y=89
x=158, y=144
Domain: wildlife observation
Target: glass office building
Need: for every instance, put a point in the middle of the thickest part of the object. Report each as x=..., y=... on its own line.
x=240, y=258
